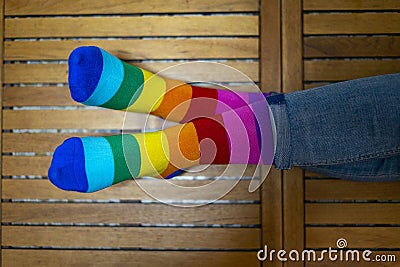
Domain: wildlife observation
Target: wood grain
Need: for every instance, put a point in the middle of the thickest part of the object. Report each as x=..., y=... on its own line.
x=80, y=7
x=199, y=48
x=331, y=5
x=347, y=190
x=129, y=190
x=207, y=72
x=355, y=46
x=351, y=23
x=77, y=119
x=131, y=213
x=356, y=237
x=132, y=26
x=346, y=213
x=339, y=70
x=131, y=237
x=75, y=258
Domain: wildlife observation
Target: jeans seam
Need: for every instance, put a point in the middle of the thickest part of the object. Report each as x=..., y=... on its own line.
x=380, y=154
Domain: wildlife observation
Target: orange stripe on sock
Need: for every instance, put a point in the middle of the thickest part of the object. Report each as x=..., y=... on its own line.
x=176, y=101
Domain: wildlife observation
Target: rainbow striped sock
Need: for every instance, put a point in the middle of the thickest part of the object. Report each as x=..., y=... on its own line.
x=97, y=78
x=238, y=136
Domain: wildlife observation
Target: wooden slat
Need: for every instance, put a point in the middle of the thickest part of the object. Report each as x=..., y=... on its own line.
x=131, y=237
x=202, y=48
x=360, y=213
x=78, y=7
x=355, y=46
x=1, y=98
x=38, y=165
x=309, y=86
x=352, y=23
x=356, y=237
x=74, y=258
x=132, y=26
x=60, y=95
x=129, y=190
x=331, y=5
x=130, y=213
x=207, y=72
x=338, y=70
x=348, y=190
x=329, y=263
x=82, y=119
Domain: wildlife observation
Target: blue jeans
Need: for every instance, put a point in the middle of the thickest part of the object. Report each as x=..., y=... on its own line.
x=348, y=130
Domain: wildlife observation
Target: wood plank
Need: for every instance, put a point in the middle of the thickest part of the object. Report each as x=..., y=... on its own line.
x=309, y=86
x=346, y=213
x=292, y=79
x=354, y=46
x=1, y=99
x=356, y=237
x=75, y=258
x=79, y=7
x=207, y=72
x=131, y=237
x=129, y=190
x=336, y=5
x=131, y=213
x=373, y=257
x=349, y=190
x=77, y=119
x=60, y=95
x=352, y=23
x=38, y=165
x=189, y=48
x=129, y=26
x=339, y=70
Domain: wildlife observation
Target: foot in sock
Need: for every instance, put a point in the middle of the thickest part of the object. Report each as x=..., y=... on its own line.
x=238, y=136
x=97, y=78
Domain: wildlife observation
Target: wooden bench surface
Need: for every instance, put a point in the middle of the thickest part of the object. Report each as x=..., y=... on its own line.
x=281, y=45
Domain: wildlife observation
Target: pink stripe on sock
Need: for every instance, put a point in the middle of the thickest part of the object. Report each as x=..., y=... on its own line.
x=228, y=100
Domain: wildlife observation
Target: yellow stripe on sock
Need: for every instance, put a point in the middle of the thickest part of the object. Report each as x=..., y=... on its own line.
x=154, y=152
x=152, y=94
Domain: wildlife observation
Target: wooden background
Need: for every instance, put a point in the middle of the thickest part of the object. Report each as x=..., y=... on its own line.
x=281, y=45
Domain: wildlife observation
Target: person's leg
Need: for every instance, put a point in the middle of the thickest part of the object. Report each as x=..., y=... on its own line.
x=97, y=78
x=347, y=130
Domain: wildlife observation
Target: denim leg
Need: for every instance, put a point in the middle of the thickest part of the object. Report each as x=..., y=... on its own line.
x=348, y=130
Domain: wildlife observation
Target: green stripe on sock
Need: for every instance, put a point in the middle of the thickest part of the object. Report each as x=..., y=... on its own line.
x=126, y=153
x=130, y=89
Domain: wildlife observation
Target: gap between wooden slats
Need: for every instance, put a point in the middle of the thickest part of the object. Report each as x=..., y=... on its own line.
x=41, y=258
x=357, y=237
x=351, y=23
x=42, y=189
x=201, y=48
x=132, y=237
x=79, y=7
x=346, y=213
x=323, y=190
x=132, y=26
x=336, y=5
x=57, y=73
x=338, y=70
x=130, y=213
x=351, y=46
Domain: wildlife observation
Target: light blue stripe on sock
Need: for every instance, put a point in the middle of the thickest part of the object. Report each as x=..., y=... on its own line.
x=99, y=163
x=110, y=80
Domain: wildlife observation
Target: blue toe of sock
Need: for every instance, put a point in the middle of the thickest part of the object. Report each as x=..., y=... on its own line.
x=85, y=65
x=67, y=170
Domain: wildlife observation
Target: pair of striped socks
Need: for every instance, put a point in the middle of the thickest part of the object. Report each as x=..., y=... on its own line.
x=216, y=126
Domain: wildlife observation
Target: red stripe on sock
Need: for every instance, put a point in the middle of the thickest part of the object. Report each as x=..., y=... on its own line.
x=203, y=103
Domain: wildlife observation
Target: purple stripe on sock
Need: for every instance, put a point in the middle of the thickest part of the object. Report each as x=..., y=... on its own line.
x=228, y=100
x=241, y=128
